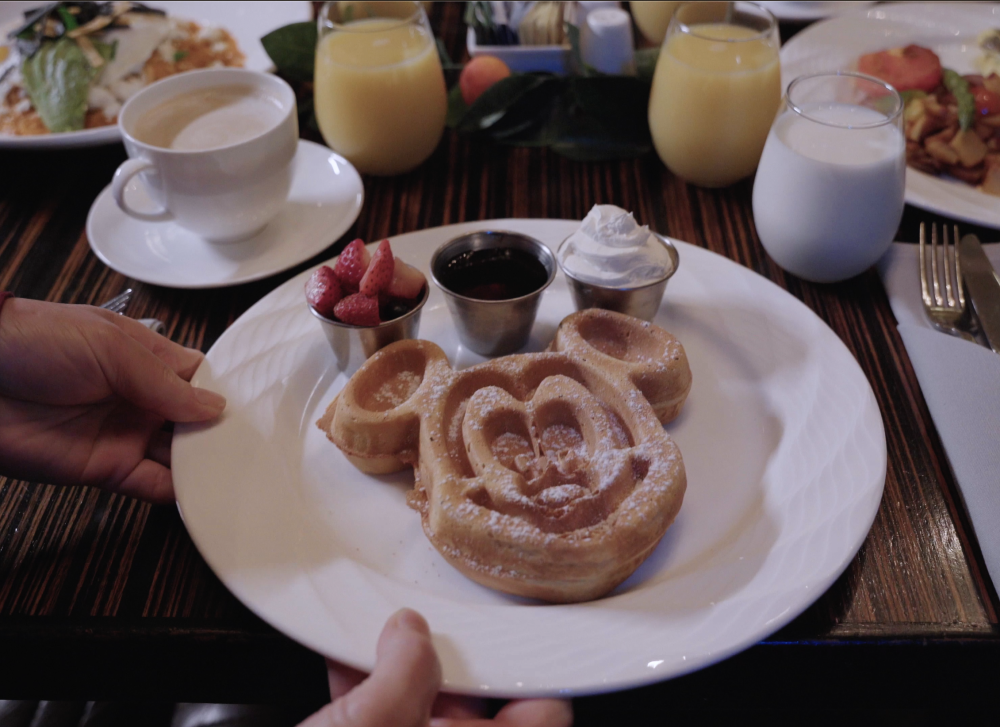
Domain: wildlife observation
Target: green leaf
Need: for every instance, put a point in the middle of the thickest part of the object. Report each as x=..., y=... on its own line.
x=447, y=64
x=959, y=88
x=456, y=107
x=585, y=118
x=526, y=119
x=69, y=22
x=105, y=50
x=494, y=102
x=57, y=79
x=908, y=96
x=645, y=61
x=292, y=48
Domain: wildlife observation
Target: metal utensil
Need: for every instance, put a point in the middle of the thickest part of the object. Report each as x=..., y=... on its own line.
x=120, y=302
x=984, y=290
x=941, y=285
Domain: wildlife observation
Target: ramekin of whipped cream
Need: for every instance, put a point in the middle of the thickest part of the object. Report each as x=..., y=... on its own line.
x=612, y=262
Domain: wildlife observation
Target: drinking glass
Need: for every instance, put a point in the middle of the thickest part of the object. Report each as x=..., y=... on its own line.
x=379, y=89
x=652, y=18
x=716, y=89
x=828, y=195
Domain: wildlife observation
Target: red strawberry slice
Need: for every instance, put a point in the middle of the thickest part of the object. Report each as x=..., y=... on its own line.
x=323, y=291
x=407, y=281
x=358, y=310
x=351, y=264
x=380, y=270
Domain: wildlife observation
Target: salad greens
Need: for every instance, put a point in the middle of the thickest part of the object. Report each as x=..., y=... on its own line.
x=57, y=79
x=52, y=21
x=61, y=58
x=959, y=88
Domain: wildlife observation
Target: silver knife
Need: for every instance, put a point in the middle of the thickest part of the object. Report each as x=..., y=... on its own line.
x=984, y=288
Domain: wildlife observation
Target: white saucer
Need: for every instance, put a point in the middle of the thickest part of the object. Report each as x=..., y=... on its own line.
x=325, y=200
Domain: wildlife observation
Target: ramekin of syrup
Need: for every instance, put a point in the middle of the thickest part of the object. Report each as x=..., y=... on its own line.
x=493, y=282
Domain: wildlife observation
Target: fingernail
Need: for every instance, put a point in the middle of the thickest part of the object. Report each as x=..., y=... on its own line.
x=410, y=620
x=193, y=355
x=210, y=400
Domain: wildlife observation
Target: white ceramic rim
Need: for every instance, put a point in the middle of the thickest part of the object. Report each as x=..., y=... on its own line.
x=822, y=493
x=163, y=90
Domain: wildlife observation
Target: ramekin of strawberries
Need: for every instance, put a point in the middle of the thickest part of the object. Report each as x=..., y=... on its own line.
x=366, y=301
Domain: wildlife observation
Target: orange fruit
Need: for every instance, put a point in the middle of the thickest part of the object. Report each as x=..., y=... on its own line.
x=479, y=74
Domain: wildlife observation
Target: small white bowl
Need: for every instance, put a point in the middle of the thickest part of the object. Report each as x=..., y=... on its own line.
x=524, y=58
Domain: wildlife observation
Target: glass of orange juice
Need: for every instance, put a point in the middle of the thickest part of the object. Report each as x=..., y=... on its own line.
x=379, y=89
x=652, y=18
x=716, y=91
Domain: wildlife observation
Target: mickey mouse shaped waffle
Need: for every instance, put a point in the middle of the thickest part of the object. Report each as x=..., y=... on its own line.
x=547, y=475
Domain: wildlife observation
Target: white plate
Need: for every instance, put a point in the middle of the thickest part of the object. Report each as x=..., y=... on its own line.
x=246, y=22
x=950, y=30
x=805, y=11
x=324, y=201
x=781, y=437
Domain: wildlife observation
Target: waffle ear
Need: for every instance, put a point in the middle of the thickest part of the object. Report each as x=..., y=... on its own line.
x=652, y=359
x=375, y=420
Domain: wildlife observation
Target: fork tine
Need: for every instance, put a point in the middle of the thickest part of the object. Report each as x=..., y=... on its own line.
x=924, y=290
x=119, y=302
x=948, y=262
x=959, y=287
x=935, y=283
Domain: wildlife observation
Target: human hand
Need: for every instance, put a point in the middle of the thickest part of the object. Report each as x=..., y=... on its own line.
x=403, y=690
x=84, y=396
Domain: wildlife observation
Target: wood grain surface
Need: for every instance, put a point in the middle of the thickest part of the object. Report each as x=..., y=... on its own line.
x=118, y=585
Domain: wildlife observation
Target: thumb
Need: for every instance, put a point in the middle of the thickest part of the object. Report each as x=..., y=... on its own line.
x=142, y=378
x=401, y=689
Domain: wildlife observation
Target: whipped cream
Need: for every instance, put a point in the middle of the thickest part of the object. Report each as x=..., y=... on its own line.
x=611, y=249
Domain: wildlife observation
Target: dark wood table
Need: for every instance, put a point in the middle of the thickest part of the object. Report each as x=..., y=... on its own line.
x=102, y=597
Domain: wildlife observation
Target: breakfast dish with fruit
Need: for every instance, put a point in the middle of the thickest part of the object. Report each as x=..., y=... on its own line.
x=364, y=289
x=325, y=551
x=951, y=122
x=544, y=475
x=69, y=66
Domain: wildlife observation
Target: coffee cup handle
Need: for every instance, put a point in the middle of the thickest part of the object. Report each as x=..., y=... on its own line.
x=123, y=175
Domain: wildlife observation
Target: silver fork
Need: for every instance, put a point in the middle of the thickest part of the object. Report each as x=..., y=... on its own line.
x=941, y=284
x=119, y=303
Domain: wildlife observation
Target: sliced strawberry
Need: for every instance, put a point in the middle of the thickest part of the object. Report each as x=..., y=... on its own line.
x=380, y=270
x=407, y=281
x=358, y=310
x=351, y=264
x=323, y=291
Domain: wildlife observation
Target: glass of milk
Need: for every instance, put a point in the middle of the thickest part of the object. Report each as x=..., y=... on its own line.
x=828, y=194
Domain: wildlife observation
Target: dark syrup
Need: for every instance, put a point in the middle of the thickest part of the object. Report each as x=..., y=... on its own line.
x=499, y=273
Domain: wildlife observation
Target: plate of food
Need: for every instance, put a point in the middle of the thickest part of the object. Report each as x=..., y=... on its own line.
x=941, y=56
x=66, y=68
x=780, y=438
x=805, y=11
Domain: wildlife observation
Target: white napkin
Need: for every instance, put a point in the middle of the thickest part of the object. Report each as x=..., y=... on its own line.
x=961, y=384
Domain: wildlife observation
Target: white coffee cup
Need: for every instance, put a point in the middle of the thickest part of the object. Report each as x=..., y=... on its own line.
x=223, y=193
